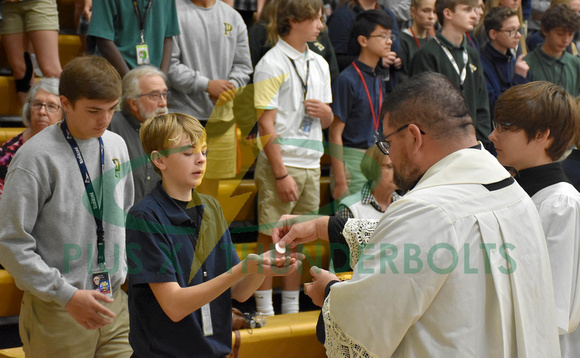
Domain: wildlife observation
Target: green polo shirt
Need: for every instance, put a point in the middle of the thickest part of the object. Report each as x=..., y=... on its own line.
x=432, y=57
x=563, y=71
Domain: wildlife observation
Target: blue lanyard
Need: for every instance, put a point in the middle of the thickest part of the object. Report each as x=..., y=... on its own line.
x=97, y=211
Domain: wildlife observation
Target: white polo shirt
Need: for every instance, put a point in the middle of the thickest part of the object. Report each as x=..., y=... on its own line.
x=277, y=86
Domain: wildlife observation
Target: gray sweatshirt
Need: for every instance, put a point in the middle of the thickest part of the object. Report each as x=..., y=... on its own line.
x=47, y=230
x=213, y=45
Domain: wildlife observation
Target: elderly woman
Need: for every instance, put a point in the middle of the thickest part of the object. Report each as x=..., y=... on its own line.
x=376, y=195
x=41, y=109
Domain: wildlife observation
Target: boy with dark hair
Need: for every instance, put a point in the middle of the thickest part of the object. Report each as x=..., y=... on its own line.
x=450, y=55
x=62, y=223
x=551, y=62
x=186, y=270
x=358, y=92
x=292, y=90
x=501, y=68
x=535, y=125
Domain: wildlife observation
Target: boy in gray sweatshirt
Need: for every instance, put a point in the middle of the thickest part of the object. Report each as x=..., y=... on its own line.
x=62, y=218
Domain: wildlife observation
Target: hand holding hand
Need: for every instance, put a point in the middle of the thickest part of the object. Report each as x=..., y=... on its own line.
x=215, y=89
x=85, y=308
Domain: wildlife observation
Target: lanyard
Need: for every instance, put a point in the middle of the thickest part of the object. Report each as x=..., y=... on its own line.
x=415, y=37
x=463, y=73
x=303, y=82
x=140, y=18
x=376, y=118
x=97, y=211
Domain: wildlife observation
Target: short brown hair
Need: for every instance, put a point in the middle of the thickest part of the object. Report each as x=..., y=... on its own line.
x=560, y=16
x=90, y=77
x=164, y=131
x=441, y=5
x=539, y=106
x=295, y=10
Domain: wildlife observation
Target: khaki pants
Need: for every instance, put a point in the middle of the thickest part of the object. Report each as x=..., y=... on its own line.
x=48, y=330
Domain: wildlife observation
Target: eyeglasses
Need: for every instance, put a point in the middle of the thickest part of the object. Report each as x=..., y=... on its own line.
x=155, y=96
x=512, y=33
x=50, y=107
x=502, y=126
x=385, y=36
x=384, y=144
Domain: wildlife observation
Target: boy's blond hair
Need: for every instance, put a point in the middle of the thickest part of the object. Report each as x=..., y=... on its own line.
x=165, y=131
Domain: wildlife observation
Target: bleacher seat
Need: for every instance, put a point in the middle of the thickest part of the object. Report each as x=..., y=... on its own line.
x=9, y=133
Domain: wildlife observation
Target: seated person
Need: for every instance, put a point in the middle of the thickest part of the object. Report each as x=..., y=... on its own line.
x=424, y=19
x=551, y=62
x=184, y=270
x=358, y=96
x=41, y=109
x=377, y=194
x=535, y=124
x=501, y=68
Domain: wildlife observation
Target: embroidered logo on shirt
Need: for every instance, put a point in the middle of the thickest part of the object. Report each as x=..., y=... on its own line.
x=319, y=45
x=228, y=29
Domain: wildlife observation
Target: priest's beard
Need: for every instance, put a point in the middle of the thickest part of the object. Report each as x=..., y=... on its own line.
x=406, y=175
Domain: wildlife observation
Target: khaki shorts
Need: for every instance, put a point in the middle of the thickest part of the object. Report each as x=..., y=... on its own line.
x=48, y=330
x=29, y=15
x=270, y=207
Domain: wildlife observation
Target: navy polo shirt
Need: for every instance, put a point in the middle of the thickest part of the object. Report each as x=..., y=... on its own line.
x=351, y=105
x=162, y=239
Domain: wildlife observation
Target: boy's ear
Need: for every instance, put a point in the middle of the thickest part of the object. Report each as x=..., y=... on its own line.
x=362, y=40
x=447, y=13
x=543, y=135
x=157, y=160
x=492, y=34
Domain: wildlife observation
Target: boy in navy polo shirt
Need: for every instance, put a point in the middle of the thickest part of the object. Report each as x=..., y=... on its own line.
x=184, y=270
x=358, y=92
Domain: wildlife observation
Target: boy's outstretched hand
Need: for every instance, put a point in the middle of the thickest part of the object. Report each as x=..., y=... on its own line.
x=271, y=263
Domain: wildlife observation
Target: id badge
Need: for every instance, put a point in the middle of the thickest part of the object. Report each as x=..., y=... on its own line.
x=102, y=283
x=306, y=125
x=206, y=319
x=142, y=54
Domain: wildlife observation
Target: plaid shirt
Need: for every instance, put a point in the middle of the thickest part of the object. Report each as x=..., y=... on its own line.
x=367, y=198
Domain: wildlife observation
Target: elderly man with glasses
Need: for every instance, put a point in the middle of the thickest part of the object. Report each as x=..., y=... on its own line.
x=457, y=267
x=144, y=95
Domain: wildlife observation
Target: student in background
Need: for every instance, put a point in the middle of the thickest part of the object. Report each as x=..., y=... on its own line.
x=358, y=96
x=422, y=29
x=292, y=91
